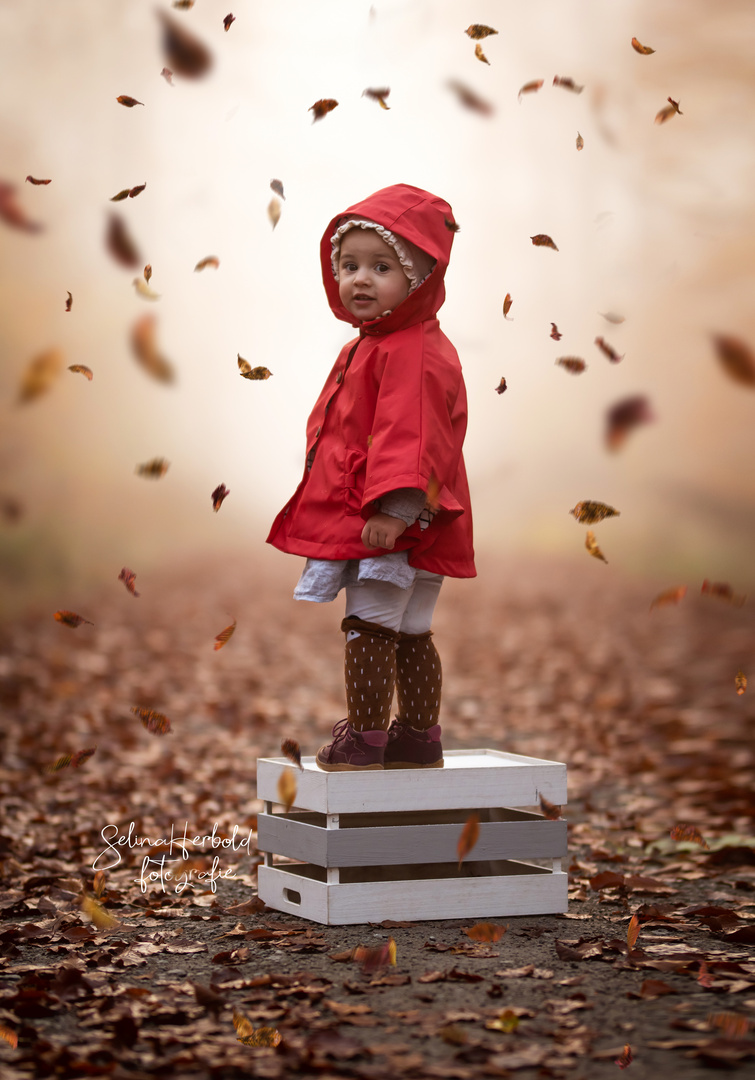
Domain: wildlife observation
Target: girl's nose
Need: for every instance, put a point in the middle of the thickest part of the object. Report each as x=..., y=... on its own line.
x=362, y=275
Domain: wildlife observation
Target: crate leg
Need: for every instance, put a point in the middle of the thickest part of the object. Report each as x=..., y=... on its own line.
x=332, y=821
x=267, y=856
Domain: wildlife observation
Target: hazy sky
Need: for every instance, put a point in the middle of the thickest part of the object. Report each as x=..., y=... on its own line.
x=652, y=221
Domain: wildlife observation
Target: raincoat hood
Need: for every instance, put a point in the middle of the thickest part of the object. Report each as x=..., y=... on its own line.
x=414, y=215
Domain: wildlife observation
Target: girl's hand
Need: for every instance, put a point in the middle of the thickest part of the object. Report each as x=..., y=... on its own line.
x=382, y=531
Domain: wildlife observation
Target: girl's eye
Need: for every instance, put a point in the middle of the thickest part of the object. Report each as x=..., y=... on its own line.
x=351, y=267
x=382, y=268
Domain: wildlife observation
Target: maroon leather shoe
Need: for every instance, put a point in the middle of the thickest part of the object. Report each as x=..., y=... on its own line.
x=410, y=748
x=352, y=750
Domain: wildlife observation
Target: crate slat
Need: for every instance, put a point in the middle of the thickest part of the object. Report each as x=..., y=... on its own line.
x=469, y=777
x=379, y=845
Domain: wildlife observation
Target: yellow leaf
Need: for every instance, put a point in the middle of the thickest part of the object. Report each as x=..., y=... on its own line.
x=287, y=789
x=40, y=374
x=102, y=919
x=209, y=260
x=274, y=211
x=224, y=636
x=590, y=512
x=644, y=50
x=633, y=931
x=592, y=546
x=580, y=141
x=480, y=54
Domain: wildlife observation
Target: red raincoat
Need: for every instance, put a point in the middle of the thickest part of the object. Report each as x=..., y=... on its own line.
x=392, y=413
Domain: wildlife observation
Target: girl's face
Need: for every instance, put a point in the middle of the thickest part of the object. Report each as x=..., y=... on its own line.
x=370, y=278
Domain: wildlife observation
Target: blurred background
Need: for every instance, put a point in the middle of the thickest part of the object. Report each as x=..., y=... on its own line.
x=653, y=222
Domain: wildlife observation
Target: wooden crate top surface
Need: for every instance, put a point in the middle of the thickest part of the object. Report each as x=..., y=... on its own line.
x=469, y=778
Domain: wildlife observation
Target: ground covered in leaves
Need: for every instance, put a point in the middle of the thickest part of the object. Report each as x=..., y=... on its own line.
x=561, y=663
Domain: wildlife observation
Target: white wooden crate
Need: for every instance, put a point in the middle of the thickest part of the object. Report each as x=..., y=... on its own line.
x=362, y=847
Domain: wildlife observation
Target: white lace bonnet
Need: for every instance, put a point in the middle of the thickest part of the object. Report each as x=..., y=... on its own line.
x=415, y=262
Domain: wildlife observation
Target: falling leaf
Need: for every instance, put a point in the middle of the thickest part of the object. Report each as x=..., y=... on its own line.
x=33, y=180
x=249, y=1036
x=580, y=142
x=123, y=194
x=433, y=491
x=129, y=102
x=633, y=931
x=128, y=577
x=9, y=1036
x=567, y=84
x=606, y=349
x=733, y=1025
x=506, y=1021
x=40, y=373
x=592, y=546
x=136, y=190
x=277, y=187
x=626, y=1057
x=185, y=53
x=183, y=5
x=668, y=111
x=478, y=31
x=322, y=108
x=249, y=372
x=379, y=95
x=153, y=469
x=507, y=302
x=147, y=271
x=530, y=87
x=542, y=240
x=220, y=493
x=469, y=99
x=575, y=365
x=550, y=811
x=502, y=387
x=102, y=919
x=69, y=305
x=144, y=344
x=737, y=358
x=740, y=682
x=274, y=211
x=373, y=960
x=556, y=334
x=224, y=636
x=227, y=22
x=721, y=590
x=11, y=212
x=669, y=596
x=451, y=225
x=688, y=833
x=612, y=317
x=468, y=837
x=209, y=260
x=589, y=512
x=60, y=763
x=167, y=74
x=480, y=54
x=704, y=976
x=644, y=50
x=287, y=789
x=155, y=722
x=81, y=756
x=485, y=931
x=143, y=289
x=70, y=618
x=623, y=417
x=292, y=751
x=119, y=242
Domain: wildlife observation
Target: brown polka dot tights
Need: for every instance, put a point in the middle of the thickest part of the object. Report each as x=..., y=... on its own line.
x=418, y=680
x=379, y=660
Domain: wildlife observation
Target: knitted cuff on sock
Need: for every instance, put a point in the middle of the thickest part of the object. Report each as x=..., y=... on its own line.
x=419, y=677
x=370, y=673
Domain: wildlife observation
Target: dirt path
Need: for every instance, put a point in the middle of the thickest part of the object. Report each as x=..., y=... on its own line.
x=552, y=662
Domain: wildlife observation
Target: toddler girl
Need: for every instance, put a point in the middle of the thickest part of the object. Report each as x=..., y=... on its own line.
x=383, y=509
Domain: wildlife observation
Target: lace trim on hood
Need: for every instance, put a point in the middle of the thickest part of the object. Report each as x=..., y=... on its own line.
x=407, y=264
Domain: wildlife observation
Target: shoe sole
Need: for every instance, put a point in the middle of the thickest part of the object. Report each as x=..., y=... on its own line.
x=344, y=767
x=413, y=765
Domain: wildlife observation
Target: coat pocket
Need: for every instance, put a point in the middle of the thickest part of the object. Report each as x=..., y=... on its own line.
x=354, y=467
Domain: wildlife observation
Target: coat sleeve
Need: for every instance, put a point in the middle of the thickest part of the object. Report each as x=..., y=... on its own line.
x=419, y=423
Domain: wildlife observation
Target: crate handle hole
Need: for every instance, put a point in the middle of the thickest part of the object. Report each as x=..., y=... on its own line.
x=292, y=896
